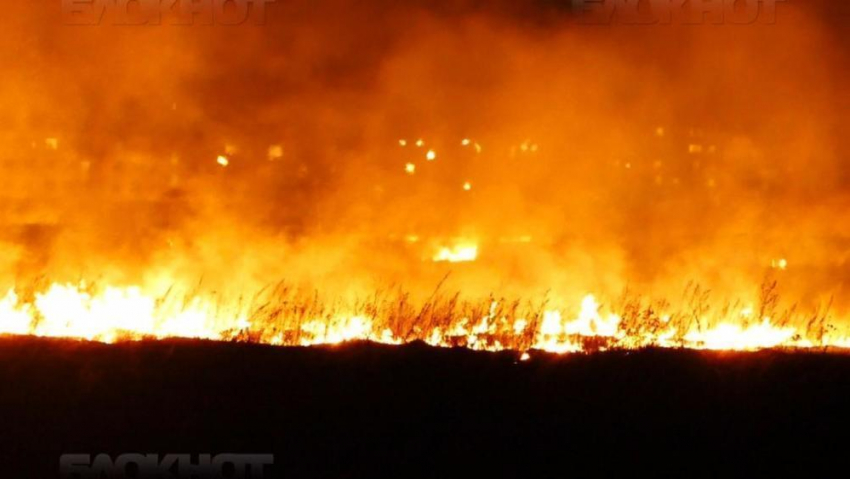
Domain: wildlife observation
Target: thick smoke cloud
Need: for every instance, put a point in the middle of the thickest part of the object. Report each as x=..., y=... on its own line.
x=610, y=156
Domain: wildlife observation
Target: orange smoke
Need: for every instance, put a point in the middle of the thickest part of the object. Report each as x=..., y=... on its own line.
x=683, y=175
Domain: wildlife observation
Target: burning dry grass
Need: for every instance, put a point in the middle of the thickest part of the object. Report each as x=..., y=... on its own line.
x=285, y=315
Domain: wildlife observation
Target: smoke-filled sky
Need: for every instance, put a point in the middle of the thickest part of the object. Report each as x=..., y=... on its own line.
x=599, y=157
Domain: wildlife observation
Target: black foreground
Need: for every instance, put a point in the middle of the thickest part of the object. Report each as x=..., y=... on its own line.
x=363, y=410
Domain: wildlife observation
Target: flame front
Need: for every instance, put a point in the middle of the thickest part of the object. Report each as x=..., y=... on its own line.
x=117, y=314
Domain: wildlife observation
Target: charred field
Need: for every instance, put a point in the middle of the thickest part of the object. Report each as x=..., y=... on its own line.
x=366, y=410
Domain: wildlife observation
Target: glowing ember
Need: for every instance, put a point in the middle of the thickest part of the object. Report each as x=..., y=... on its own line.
x=275, y=152
x=223, y=161
x=781, y=264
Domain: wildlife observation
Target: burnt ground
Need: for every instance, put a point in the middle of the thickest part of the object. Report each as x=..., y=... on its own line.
x=364, y=410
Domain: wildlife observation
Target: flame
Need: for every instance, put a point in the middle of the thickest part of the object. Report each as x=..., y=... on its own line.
x=735, y=337
x=780, y=264
x=129, y=313
x=459, y=253
x=275, y=152
x=14, y=319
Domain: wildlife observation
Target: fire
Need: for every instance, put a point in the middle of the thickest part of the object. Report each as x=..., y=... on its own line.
x=558, y=335
x=359, y=153
x=736, y=337
x=459, y=253
x=337, y=331
x=275, y=152
x=71, y=311
x=780, y=264
x=14, y=319
x=114, y=314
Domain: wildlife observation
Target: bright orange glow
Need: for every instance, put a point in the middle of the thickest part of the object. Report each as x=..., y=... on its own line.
x=439, y=173
x=127, y=313
x=275, y=152
x=459, y=253
x=781, y=264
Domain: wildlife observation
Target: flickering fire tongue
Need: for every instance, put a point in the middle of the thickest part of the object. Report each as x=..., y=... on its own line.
x=128, y=313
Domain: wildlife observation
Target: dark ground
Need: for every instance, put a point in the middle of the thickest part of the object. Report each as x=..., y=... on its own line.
x=366, y=411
